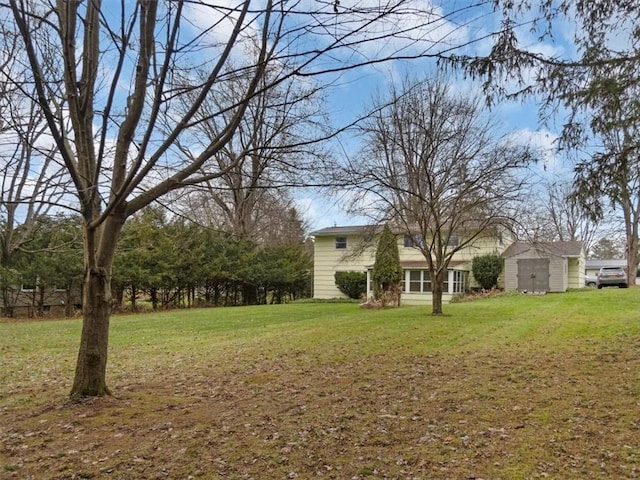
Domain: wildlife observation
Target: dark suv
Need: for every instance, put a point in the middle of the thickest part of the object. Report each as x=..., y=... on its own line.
x=612, y=277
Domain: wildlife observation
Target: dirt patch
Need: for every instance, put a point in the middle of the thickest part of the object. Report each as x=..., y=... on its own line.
x=494, y=415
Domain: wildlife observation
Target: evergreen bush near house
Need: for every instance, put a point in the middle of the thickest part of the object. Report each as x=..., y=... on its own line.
x=486, y=270
x=387, y=272
x=352, y=284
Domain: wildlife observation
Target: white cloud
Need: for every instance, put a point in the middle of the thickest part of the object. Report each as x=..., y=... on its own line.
x=321, y=211
x=218, y=18
x=544, y=143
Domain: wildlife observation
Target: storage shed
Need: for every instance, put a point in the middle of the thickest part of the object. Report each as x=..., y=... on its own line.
x=544, y=266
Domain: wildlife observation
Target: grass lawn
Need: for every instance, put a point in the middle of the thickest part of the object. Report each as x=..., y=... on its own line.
x=515, y=387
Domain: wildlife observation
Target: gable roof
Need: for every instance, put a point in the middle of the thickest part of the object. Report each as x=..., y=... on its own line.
x=349, y=230
x=556, y=249
x=359, y=230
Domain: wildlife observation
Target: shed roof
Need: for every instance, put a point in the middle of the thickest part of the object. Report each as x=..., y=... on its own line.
x=556, y=249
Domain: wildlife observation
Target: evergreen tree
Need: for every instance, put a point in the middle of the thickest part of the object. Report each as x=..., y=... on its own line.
x=387, y=272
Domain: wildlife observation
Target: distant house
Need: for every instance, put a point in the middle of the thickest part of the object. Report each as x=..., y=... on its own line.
x=36, y=301
x=352, y=248
x=592, y=266
x=544, y=266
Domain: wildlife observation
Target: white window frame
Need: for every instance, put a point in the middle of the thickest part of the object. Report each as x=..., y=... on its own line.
x=423, y=281
x=339, y=241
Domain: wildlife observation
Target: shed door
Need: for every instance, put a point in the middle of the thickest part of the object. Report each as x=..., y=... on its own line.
x=533, y=274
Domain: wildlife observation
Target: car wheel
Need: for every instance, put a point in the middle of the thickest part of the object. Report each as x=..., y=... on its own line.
x=623, y=285
x=591, y=284
x=599, y=287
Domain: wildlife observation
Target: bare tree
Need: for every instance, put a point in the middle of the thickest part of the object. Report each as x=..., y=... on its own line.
x=273, y=219
x=555, y=213
x=434, y=166
x=32, y=181
x=274, y=149
x=115, y=76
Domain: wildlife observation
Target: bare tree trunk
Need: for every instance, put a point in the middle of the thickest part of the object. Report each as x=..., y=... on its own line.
x=40, y=302
x=154, y=298
x=91, y=367
x=632, y=254
x=68, y=306
x=436, y=308
x=134, y=294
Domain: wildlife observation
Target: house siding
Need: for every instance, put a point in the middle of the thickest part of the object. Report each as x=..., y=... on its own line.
x=328, y=260
x=576, y=275
x=24, y=303
x=422, y=299
x=559, y=274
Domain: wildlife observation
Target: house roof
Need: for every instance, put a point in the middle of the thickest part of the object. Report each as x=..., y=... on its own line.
x=597, y=263
x=556, y=249
x=346, y=230
x=361, y=229
x=423, y=265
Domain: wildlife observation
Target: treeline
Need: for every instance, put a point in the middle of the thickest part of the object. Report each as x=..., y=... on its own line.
x=182, y=264
x=160, y=263
x=46, y=271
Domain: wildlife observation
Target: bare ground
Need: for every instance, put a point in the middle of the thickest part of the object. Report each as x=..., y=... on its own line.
x=521, y=412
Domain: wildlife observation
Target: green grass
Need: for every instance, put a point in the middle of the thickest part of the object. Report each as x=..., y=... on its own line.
x=509, y=387
x=570, y=320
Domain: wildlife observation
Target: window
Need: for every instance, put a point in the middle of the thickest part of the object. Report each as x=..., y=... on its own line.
x=454, y=241
x=341, y=243
x=459, y=281
x=419, y=281
x=407, y=241
x=411, y=241
x=415, y=281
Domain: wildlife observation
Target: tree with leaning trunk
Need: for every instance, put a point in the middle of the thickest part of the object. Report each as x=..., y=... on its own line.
x=111, y=78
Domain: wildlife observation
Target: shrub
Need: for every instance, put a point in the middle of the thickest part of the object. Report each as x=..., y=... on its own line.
x=486, y=270
x=352, y=284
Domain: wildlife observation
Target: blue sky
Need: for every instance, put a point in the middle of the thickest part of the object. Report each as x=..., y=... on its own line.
x=352, y=90
x=356, y=89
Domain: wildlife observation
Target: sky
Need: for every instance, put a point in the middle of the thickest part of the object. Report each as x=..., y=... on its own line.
x=418, y=31
x=356, y=89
